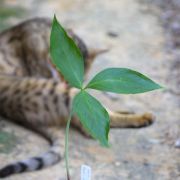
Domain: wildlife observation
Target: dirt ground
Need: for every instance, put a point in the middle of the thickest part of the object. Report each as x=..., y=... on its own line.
x=141, y=34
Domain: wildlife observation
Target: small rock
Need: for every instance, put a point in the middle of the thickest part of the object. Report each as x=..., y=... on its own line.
x=125, y=162
x=177, y=143
x=175, y=26
x=146, y=164
x=117, y=163
x=154, y=141
x=112, y=34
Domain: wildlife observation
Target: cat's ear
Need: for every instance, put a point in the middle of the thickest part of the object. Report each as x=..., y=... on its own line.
x=93, y=53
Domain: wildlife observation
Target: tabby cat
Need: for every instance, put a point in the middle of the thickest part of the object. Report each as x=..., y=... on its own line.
x=35, y=95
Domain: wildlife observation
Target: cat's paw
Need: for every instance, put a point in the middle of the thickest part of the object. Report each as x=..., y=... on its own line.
x=145, y=120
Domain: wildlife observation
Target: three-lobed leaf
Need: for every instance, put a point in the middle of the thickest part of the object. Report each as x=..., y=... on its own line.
x=66, y=55
x=68, y=60
x=122, y=80
x=93, y=116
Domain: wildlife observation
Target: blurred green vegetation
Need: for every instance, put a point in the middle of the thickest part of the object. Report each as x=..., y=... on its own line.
x=7, y=142
x=7, y=12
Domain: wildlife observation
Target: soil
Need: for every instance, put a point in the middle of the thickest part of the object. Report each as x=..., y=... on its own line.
x=143, y=35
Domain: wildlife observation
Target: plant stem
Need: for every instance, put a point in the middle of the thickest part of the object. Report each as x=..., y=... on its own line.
x=67, y=146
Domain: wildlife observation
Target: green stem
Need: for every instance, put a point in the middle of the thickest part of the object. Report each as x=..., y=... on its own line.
x=67, y=146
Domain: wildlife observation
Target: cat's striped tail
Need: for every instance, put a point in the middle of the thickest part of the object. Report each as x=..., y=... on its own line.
x=49, y=158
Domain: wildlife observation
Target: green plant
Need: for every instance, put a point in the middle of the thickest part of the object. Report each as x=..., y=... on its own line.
x=68, y=59
x=7, y=12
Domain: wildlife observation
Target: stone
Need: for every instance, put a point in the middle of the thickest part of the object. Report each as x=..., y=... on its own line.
x=177, y=143
x=138, y=154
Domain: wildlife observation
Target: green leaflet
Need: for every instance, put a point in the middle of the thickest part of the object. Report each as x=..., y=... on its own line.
x=122, y=80
x=93, y=116
x=66, y=55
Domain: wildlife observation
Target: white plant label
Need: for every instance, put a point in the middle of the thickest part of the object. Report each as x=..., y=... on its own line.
x=85, y=172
